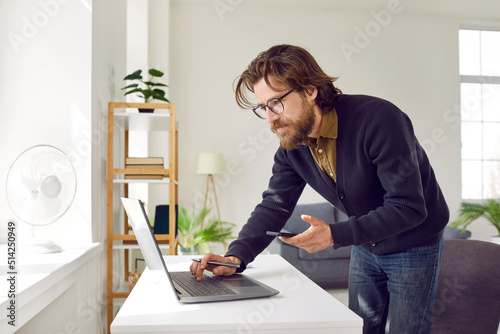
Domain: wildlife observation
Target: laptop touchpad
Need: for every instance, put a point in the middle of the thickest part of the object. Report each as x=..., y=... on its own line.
x=237, y=281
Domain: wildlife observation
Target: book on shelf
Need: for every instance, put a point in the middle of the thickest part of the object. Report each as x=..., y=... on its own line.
x=143, y=177
x=144, y=161
x=144, y=166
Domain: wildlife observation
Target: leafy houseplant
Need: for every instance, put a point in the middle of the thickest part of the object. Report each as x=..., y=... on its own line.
x=192, y=236
x=472, y=211
x=146, y=88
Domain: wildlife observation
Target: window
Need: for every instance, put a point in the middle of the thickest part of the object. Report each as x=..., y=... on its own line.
x=479, y=54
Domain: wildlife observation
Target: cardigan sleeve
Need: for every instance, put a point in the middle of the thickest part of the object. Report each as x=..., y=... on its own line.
x=278, y=202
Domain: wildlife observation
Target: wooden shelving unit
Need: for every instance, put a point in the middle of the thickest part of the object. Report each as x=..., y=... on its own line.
x=134, y=121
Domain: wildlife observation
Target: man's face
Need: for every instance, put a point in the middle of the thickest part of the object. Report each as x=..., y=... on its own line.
x=299, y=118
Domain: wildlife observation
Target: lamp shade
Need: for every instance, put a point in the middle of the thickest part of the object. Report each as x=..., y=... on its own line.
x=210, y=163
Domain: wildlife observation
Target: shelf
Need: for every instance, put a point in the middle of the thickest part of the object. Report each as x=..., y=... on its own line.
x=128, y=181
x=130, y=171
x=122, y=118
x=142, y=121
x=118, y=105
x=141, y=171
x=159, y=181
x=159, y=237
x=136, y=246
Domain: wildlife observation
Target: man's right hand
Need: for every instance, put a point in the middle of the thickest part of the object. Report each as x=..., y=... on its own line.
x=197, y=268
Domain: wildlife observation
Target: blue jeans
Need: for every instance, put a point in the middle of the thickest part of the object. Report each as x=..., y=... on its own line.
x=394, y=293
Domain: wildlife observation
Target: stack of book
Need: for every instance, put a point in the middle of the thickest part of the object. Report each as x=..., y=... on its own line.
x=144, y=163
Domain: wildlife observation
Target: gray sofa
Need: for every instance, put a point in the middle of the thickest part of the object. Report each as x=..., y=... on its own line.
x=329, y=268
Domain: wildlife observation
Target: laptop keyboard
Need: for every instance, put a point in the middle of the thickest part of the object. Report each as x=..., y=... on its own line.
x=207, y=287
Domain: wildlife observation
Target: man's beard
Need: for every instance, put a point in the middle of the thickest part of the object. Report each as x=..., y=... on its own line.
x=298, y=130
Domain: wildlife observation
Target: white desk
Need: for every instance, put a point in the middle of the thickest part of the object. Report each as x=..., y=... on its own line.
x=300, y=307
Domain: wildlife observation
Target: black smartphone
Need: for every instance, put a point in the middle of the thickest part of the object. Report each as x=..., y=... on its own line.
x=281, y=234
x=217, y=263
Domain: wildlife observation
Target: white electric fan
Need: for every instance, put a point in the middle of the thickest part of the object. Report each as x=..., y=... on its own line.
x=41, y=185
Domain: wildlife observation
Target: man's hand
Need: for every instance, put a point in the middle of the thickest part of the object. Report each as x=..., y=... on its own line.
x=317, y=237
x=197, y=268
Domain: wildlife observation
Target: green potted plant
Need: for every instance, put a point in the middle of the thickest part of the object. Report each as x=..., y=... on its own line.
x=193, y=238
x=148, y=88
x=470, y=212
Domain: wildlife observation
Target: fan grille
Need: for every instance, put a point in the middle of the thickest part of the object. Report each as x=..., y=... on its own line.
x=37, y=169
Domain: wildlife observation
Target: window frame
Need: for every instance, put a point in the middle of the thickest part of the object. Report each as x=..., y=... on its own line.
x=481, y=80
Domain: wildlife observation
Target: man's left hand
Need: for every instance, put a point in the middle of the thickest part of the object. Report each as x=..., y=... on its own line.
x=317, y=237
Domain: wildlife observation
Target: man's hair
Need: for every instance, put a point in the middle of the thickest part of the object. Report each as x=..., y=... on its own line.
x=293, y=67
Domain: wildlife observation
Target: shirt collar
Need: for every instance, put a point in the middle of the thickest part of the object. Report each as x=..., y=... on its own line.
x=329, y=125
x=328, y=129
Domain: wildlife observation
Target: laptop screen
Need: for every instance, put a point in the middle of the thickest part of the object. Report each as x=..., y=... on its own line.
x=151, y=251
x=144, y=234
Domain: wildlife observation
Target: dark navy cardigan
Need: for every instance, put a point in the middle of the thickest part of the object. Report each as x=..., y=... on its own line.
x=385, y=185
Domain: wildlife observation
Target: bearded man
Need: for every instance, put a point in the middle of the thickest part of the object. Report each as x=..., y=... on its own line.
x=361, y=154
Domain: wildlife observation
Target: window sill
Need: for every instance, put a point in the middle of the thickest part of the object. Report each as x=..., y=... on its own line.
x=40, y=280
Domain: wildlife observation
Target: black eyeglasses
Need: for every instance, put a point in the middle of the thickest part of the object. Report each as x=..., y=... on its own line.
x=275, y=105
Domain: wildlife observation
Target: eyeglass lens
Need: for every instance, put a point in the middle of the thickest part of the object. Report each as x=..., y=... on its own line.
x=274, y=105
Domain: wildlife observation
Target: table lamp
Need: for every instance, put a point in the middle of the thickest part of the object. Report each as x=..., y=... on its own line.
x=210, y=164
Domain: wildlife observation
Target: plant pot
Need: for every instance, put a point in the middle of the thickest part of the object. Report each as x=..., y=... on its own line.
x=188, y=250
x=146, y=110
x=496, y=240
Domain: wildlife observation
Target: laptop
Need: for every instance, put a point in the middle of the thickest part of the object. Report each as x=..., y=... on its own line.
x=186, y=288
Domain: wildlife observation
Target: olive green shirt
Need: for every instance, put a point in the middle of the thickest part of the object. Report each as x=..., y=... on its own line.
x=324, y=148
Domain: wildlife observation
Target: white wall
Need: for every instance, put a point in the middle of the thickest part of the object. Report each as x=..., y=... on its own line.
x=406, y=52
x=45, y=86
x=108, y=70
x=61, y=63
x=109, y=41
